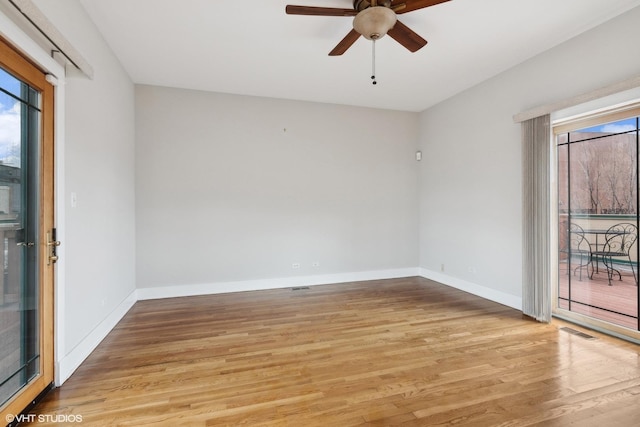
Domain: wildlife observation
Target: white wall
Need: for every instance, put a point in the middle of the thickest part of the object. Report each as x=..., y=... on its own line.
x=470, y=194
x=98, y=235
x=235, y=188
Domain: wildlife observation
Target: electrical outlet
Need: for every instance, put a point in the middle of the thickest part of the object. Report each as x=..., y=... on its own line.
x=442, y=267
x=295, y=265
x=315, y=264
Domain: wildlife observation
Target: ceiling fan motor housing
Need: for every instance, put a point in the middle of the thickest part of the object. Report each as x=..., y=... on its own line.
x=374, y=22
x=363, y=4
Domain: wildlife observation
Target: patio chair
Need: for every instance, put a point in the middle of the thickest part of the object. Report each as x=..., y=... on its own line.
x=578, y=246
x=619, y=239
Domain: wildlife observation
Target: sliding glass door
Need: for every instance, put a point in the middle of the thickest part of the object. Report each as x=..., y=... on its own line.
x=26, y=219
x=598, y=220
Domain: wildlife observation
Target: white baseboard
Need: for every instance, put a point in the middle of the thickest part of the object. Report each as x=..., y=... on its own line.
x=262, y=284
x=71, y=361
x=473, y=288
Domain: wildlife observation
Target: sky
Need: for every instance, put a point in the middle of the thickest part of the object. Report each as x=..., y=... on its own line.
x=620, y=126
x=9, y=121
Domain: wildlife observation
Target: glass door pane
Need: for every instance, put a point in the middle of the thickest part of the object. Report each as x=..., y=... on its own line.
x=598, y=222
x=19, y=195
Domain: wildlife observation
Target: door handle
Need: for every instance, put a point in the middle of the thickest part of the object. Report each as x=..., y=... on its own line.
x=52, y=244
x=26, y=244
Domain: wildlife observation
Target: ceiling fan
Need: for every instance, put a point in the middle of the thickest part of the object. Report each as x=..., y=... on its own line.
x=372, y=20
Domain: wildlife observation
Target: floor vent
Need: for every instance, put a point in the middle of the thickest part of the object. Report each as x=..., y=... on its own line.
x=578, y=333
x=300, y=288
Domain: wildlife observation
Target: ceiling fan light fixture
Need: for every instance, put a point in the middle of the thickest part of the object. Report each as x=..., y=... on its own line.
x=374, y=22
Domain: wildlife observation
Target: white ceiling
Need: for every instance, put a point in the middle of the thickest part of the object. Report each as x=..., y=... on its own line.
x=254, y=48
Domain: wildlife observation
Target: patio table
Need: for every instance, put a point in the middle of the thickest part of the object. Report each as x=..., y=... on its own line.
x=597, y=232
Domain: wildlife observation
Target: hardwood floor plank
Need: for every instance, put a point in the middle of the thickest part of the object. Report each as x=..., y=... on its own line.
x=391, y=352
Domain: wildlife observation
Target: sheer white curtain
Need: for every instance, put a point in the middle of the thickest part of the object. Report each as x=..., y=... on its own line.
x=536, y=268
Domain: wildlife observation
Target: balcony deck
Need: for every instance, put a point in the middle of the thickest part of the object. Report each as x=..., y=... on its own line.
x=617, y=304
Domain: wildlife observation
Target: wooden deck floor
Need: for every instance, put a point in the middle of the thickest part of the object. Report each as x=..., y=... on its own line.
x=380, y=353
x=617, y=304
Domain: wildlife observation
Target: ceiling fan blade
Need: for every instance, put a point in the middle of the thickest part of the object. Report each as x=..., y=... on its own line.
x=319, y=11
x=345, y=43
x=406, y=37
x=411, y=5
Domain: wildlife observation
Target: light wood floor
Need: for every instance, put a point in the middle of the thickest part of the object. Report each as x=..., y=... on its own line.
x=380, y=353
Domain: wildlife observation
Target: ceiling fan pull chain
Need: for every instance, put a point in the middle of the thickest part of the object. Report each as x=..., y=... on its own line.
x=373, y=62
